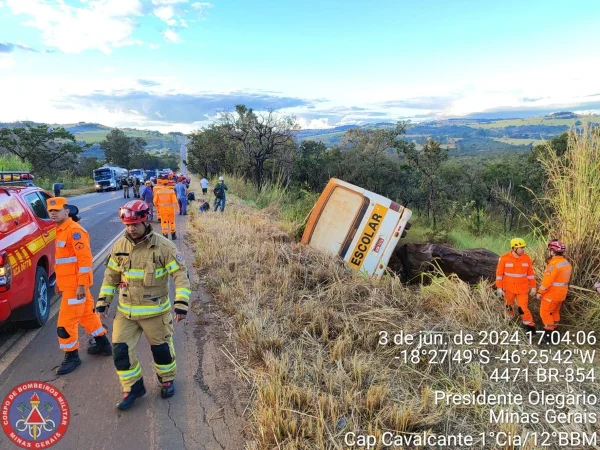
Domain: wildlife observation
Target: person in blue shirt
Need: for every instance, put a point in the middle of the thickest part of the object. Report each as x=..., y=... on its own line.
x=181, y=192
x=147, y=195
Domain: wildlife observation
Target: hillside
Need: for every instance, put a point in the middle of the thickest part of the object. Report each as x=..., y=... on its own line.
x=470, y=136
x=94, y=133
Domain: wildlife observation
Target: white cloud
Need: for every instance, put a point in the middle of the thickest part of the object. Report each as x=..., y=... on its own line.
x=164, y=12
x=153, y=46
x=171, y=36
x=201, y=5
x=168, y=2
x=101, y=25
x=7, y=61
x=183, y=24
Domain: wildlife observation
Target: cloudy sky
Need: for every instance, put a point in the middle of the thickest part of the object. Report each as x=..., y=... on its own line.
x=172, y=65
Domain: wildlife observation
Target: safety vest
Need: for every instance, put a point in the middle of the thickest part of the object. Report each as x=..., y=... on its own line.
x=73, y=264
x=557, y=276
x=165, y=198
x=515, y=275
x=141, y=272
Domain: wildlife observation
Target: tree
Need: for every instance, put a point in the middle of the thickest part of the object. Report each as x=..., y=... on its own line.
x=117, y=148
x=46, y=149
x=427, y=162
x=207, y=151
x=261, y=137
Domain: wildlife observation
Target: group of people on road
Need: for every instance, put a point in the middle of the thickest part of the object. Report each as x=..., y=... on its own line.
x=132, y=183
x=138, y=271
x=515, y=283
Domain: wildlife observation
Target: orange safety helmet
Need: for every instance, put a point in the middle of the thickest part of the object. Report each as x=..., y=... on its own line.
x=557, y=246
x=135, y=211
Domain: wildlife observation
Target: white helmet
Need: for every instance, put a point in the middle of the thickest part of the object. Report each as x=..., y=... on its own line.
x=221, y=178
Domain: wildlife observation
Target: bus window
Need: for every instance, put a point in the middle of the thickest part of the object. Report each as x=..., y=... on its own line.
x=337, y=219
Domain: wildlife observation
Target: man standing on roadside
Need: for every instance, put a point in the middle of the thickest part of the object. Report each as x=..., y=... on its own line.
x=147, y=195
x=219, y=192
x=181, y=192
x=74, y=277
x=204, y=184
x=139, y=264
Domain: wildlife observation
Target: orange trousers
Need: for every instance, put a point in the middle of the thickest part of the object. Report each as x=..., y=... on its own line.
x=72, y=313
x=167, y=220
x=550, y=313
x=522, y=307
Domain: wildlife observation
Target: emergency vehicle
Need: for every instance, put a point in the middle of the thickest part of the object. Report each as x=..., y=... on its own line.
x=358, y=225
x=26, y=251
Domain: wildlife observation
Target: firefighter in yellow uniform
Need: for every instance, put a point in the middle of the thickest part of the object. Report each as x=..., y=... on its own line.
x=139, y=264
x=74, y=277
x=166, y=205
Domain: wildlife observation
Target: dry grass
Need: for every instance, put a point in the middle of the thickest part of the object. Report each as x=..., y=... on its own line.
x=572, y=214
x=304, y=332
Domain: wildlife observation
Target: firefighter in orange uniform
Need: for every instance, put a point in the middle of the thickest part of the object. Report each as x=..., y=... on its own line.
x=166, y=206
x=554, y=287
x=74, y=277
x=515, y=280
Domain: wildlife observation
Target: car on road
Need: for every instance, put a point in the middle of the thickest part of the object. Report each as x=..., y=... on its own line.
x=26, y=252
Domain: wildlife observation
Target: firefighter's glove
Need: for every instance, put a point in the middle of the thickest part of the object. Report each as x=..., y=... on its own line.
x=101, y=309
x=532, y=292
x=500, y=292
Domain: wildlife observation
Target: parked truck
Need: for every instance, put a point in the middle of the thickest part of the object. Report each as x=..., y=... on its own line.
x=140, y=174
x=109, y=178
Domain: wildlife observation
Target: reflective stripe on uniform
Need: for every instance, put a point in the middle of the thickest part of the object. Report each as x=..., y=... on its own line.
x=139, y=310
x=160, y=272
x=182, y=292
x=515, y=275
x=85, y=269
x=75, y=301
x=563, y=264
x=61, y=243
x=543, y=288
x=498, y=278
x=108, y=290
x=560, y=284
x=530, y=277
x=113, y=264
x=509, y=265
x=69, y=344
x=162, y=369
x=134, y=274
x=68, y=260
x=172, y=266
x=98, y=331
x=127, y=374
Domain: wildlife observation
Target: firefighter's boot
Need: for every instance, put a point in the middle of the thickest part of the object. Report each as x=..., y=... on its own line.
x=167, y=389
x=137, y=390
x=173, y=236
x=101, y=347
x=70, y=363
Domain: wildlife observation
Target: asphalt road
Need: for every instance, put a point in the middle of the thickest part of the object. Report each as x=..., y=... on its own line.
x=93, y=390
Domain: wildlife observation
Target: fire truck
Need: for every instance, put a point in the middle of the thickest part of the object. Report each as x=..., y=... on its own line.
x=27, y=259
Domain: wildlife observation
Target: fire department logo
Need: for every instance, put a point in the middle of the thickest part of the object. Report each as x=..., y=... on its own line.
x=53, y=202
x=35, y=415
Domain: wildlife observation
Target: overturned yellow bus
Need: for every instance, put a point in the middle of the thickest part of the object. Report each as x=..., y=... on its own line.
x=360, y=226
